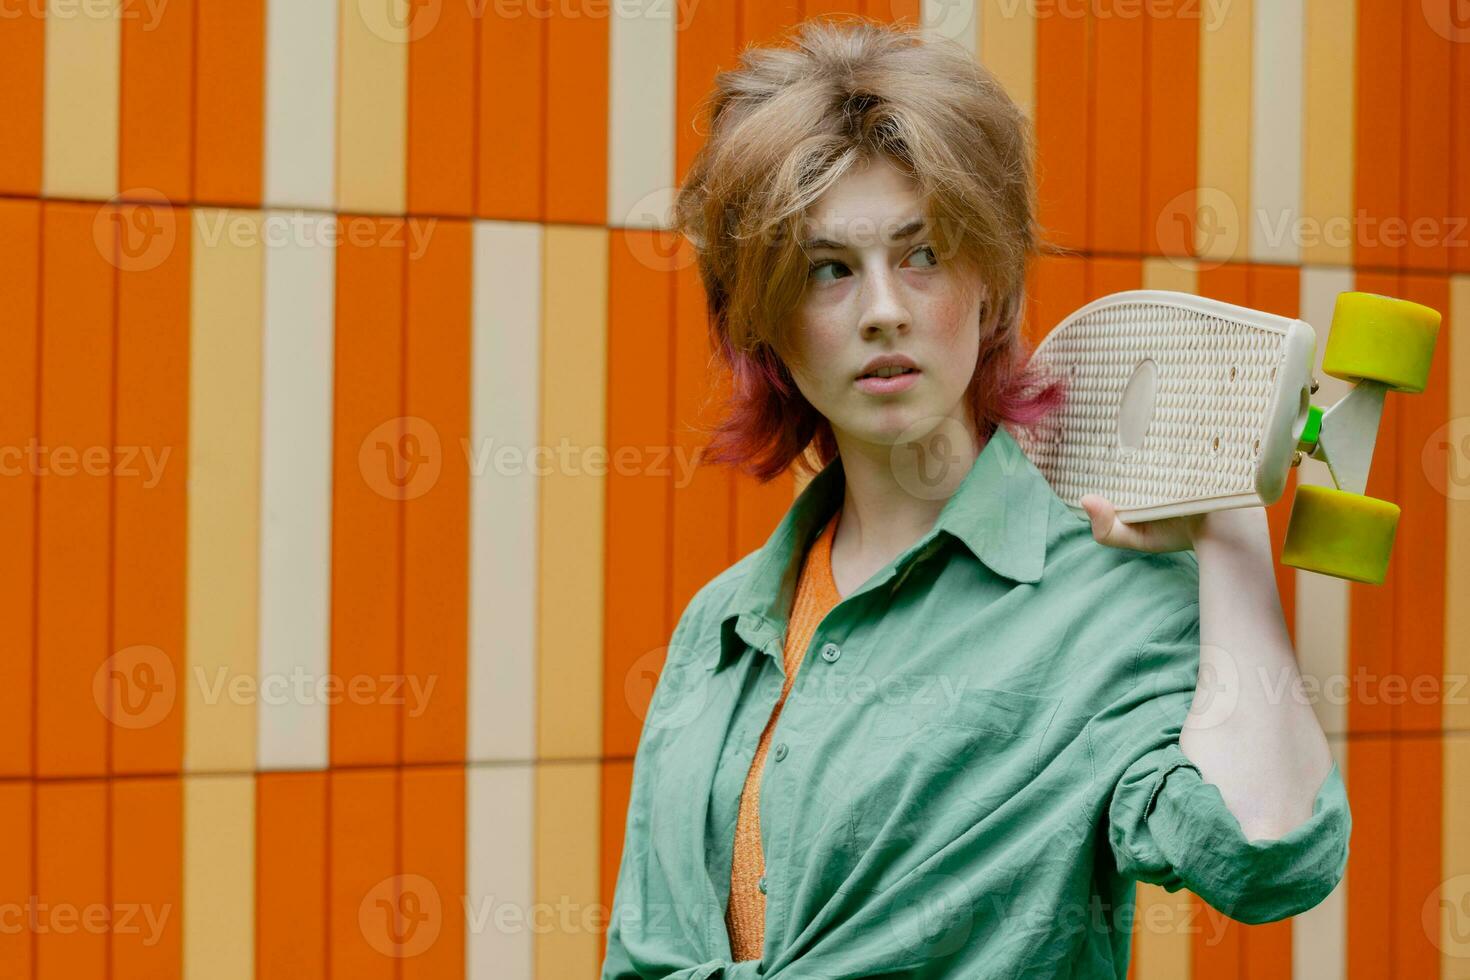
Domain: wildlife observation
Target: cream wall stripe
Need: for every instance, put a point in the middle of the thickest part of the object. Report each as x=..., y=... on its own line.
x=83, y=62
x=955, y=19
x=1321, y=600
x=641, y=115
x=224, y=490
x=1455, y=834
x=219, y=877
x=372, y=128
x=1319, y=935
x=573, y=415
x=1008, y=48
x=1276, y=131
x=296, y=491
x=568, y=866
x=1454, y=342
x=1328, y=125
x=1224, y=133
x=500, y=873
x=505, y=423
x=1178, y=274
x=301, y=103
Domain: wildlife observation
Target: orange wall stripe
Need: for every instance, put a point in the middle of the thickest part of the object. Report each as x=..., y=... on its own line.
x=1171, y=139
x=702, y=506
x=511, y=134
x=1060, y=286
x=229, y=106
x=290, y=874
x=442, y=139
x=1112, y=275
x=576, y=113
x=432, y=865
x=1118, y=128
x=370, y=473
x=1419, y=543
x=147, y=885
x=74, y=581
x=1419, y=553
x=155, y=144
x=763, y=23
x=23, y=80
x=148, y=626
x=20, y=268
x=436, y=522
x=1378, y=163
x=1428, y=136
x=1063, y=118
x=1372, y=637
x=639, y=409
x=706, y=41
x=17, y=874
x=617, y=790
x=71, y=844
x=364, y=917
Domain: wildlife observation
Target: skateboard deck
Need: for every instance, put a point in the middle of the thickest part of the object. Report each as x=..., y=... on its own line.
x=1176, y=404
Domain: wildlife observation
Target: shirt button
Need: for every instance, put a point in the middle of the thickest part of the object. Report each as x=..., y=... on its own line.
x=761, y=884
x=780, y=751
x=831, y=652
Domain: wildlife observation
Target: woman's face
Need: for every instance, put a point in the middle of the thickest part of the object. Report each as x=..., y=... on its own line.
x=876, y=287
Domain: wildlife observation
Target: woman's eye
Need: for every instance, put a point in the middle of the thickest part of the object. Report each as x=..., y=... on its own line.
x=817, y=267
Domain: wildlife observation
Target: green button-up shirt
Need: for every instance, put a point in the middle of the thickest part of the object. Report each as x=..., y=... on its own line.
x=977, y=759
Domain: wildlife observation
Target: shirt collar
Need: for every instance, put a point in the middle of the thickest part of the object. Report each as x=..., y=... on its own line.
x=999, y=512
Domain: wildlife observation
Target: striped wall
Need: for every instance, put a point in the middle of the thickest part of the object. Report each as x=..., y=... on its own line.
x=336, y=667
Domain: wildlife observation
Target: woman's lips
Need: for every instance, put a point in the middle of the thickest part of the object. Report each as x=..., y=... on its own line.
x=888, y=386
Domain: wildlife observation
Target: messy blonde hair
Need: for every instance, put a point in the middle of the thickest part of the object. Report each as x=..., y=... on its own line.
x=787, y=124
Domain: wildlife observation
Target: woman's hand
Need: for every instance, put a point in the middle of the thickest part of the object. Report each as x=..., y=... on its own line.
x=1173, y=533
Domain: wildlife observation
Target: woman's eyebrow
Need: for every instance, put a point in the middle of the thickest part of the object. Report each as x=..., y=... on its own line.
x=909, y=230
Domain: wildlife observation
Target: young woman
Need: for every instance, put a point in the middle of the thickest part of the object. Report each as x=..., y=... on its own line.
x=939, y=724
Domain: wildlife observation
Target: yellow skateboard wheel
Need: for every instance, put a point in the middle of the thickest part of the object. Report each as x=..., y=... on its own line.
x=1379, y=338
x=1337, y=533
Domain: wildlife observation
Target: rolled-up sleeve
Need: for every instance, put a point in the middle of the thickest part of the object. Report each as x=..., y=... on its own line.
x=1168, y=826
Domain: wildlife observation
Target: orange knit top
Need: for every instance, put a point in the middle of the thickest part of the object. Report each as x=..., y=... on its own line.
x=816, y=594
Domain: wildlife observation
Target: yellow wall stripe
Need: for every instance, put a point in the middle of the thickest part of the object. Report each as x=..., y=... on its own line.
x=224, y=491
x=568, y=798
x=80, y=129
x=219, y=877
x=1008, y=48
x=1455, y=343
x=1224, y=134
x=574, y=416
x=1329, y=118
x=372, y=126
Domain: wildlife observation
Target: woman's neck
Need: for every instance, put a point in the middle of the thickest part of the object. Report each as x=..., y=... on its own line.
x=894, y=494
